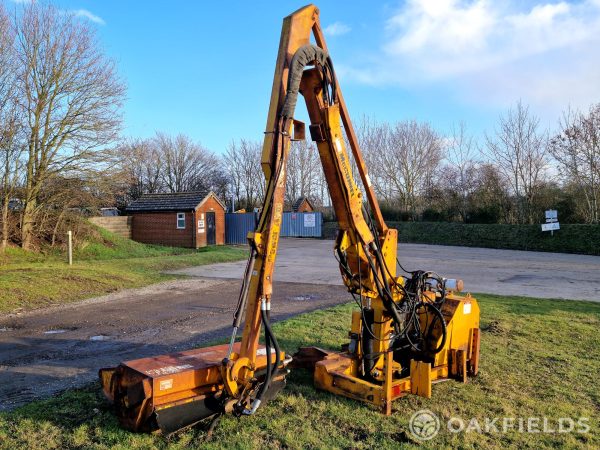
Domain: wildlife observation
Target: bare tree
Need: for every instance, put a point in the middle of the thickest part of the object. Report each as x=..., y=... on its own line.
x=10, y=125
x=374, y=141
x=577, y=150
x=490, y=200
x=10, y=158
x=234, y=167
x=409, y=160
x=70, y=96
x=242, y=164
x=519, y=149
x=460, y=175
x=187, y=166
x=141, y=164
x=303, y=172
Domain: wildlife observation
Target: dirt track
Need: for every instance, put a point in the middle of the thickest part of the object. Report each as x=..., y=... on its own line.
x=51, y=350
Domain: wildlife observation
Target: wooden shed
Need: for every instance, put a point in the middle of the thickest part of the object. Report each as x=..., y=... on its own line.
x=184, y=219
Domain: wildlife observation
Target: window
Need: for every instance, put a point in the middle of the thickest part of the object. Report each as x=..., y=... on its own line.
x=180, y=221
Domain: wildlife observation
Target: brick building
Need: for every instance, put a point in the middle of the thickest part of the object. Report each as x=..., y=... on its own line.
x=185, y=219
x=302, y=204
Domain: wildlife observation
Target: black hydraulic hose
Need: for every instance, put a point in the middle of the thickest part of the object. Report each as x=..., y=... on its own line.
x=237, y=317
x=387, y=299
x=387, y=302
x=267, y=381
x=304, y=56
x=439, y=314
x=381, y=263
x=275, y=344
x=269, y=339
x=369, y=359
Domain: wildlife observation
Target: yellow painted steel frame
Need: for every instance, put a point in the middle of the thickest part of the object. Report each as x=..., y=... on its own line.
x=347, y=198
x=340, y=373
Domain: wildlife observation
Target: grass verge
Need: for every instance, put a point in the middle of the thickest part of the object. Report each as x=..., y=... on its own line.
x=107, y=264
x=540, y=358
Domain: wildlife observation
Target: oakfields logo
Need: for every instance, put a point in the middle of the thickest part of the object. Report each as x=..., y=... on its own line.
x=425, y=425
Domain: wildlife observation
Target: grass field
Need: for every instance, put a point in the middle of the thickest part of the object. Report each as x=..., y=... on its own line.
x=571, y=238
x=107, y=264
x=540, y=358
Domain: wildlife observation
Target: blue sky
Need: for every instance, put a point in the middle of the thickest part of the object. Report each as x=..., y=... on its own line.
x=205, y=68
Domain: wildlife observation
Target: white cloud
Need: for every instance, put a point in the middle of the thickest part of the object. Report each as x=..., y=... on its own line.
x=495, y=51
x=84, y=13
x=336, y=29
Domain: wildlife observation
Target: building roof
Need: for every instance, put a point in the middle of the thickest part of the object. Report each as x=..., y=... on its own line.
x=179, y=201
x=296, y=205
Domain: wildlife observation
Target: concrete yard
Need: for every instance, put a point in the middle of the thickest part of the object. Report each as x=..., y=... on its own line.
x=485, y=270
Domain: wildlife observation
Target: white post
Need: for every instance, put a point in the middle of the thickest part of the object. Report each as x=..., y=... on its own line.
x=70, y=247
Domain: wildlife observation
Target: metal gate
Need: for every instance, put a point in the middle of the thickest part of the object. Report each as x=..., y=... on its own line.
x=306, y=224
x=237, y=227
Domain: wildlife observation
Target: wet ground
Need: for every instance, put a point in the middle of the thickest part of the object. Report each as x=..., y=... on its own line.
x=47, y=351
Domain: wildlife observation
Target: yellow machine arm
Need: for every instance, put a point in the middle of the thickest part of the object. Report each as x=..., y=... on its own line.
x=408, y=330
x=327, y=112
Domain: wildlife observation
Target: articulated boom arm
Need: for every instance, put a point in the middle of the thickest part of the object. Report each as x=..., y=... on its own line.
x=327, y=112
x=399, y=338
x=326, y=131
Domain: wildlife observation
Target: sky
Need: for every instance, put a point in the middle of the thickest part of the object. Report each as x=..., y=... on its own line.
x=205, y=68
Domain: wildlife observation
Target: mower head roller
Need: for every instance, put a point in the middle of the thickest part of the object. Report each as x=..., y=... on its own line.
x=174, y=391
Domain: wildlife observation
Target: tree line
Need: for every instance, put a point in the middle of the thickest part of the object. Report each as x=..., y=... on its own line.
x=510, y=175
x=61, y=150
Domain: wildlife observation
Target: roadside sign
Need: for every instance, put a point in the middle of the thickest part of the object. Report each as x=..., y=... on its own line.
x=551, y=221
x=552, y=226
x=551, y=215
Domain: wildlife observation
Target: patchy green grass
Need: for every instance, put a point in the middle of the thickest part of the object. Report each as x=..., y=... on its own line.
x=34, y=280
x=540, y=358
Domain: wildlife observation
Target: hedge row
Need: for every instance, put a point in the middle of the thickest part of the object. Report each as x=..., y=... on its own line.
x=571, y=238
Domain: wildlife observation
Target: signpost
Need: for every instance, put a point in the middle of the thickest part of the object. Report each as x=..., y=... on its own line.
x=70, y=247
x=551, y=221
